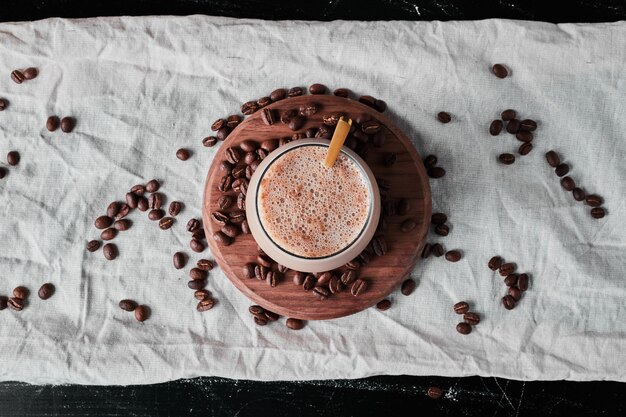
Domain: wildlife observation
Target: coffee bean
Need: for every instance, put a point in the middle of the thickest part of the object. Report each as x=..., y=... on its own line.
x=4, y=302
x=248, y=146
x=265, y=260
x=324, y=132
x=348, y=277
x=205, y=304
x=138, y=190
x=331, y=119
x=122, y=225
x=233, y=155
x=241, y=201
x=204, y=264
x=324, y=278
x=108, y=234
x=113, y=209
x=218, y=124
x=379, y=244
x=309, y=282
x=264, y=101
x=248, y=159
x=508, y=114
x=342, y=92
x=225, y=202
x=3, y=104
x=237, y=216
x=294, y=324
x=46, y=291
x=201, y=294
x=408, y=286
x=282, y=268
x=380, y=105
x=298, y=278
x=175, y=208
x=222, y=239
x=371, y=127
x=437, y=250
x=240, y=185
x=321, y=293
x=260, y=321
x=553, y=159
x=93, y=245
x=53, y=123
x=269, y=145
x=594, y=200
x=179, y=260
x=271, y=278
x=262, y=153
x=308, y=109
x=507, y=269
x=249, y=107
x=471, y=318
x=528, y=125
x=295, y=91
x=131, y=200
x=268, y=116
x=444, y=117
x=579, y=194
x=110, y=251
x=30, y=73
x=561, y=170
x=142, y=313
x=335, y=285
x=248, y=270
x=426, y=251
x=511, y=280
x=496, y=127
x=127, y=305
x=209, y=141
x=278, y=94
x=218, y=218
x=461, y=307
x=524, y=136
x=408, y=225
x=515, y=293
x=166, y=222
x=508, y=302
x=230, y=230
x=568, y=183
x=156, y=214
x=287, y=115
x=368, y=101
x=453, y=256
x=597, y=212
x=318, y=89
x=16, y=304
x=436, y=172
x=507, y=158
x=435, y=392
x=442, y=229
x=103, y=222
x=296, y=123
x=3, y=172
x=260, y=272
x=499, y=71
x=525, y=148
x=197, y=246
x=183, y=154
x=233, y=120
x=197, y=273
x=196, y=284
x=21, y=292
x=438, y=218
x=364, y=257
x=142, y=204
x=67, y=124
x=13, y=158
x=353, y=264
x=17, y=76
x=463, y=328
x=522, y=282
x=513, y=126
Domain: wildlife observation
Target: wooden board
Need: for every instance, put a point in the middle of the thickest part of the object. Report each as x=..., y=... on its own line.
x=408, y=180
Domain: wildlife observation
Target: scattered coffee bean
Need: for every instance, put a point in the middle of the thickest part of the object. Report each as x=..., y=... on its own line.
x=568, y=183
x=331, y=119
x=508, y=114
x=21, y=292
x=579, y=194
x=515, y=293
x=205, y=304
x=380, y=105
x=507, y=158
x=113, y=209
x=122, y=225
x=298, y=278
x=308, y=109
x=93, y=245
x=218, y=124
x=53, y=123
x=348, y=277
x=379, y=244
x=3, y=104
x=13, y=158
x=264, y=101
x=309, y=282
x=499, y=71
x=260, y=320
x=437, y=250
x=496, y=127
x=507, y=269
x=153, y=186
x=295, y=91
x=46, y=291
x=444, y=117
x=324, y=278
x=201, y=294
x=166, y=222
x=594, y=200
x=249, y=107
x=463, y=328
x=138, y=190
x=282, y=268
x=321, y=293
x=4, y=302
x=513, y=126
x=240, y=185
x=453, y=256
x=3, y=172
x=335, y=285
x=179, y=260
x=233, y=155
x=442, y=230
x=508, y=302
x=294, y=324
x=17, y=76
x=268, y=116
x=156, y=214
x=204, y=264
x=270, y=315
x=427, y=250
x=209, y=141
x=383, y=305
x=524, y=136
x=528, y=125
x=223, y=133
x=434, y=392
x=183, y=154
x=364, y=257
x=553, y=159
x=142, y=313
x=278, y=94
x=222, y=239
x=194, y=224
x=197, y=246
x=342, y=92
x=561, y=170
x=317, y=89
x=142, y=204
x=103, y=222
x=461, y=307
x=122, y=212
x=408, y=225
x=597, y=212
x=15, y=303
x=438, y=218
x=296, y=123
x=522, y=282
x=197, y=273
x=67, y=124
x=262, y=153
x=436, y=172
x=236, y=216
x=196, y=284
x=353, y=264
x=371, y=127
x=271, y=278
x=110, y=251
x=471, y=318
x=368, y=101
x=264, y=260
x=511, y=280
x=175, y=208
x=131, y=200
x=108, y=234
x=408, y=286
x=494, y=263
x=127, y=305
x=30, y=73
x=525, y=148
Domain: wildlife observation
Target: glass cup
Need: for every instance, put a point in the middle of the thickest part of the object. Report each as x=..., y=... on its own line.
x=288, y=256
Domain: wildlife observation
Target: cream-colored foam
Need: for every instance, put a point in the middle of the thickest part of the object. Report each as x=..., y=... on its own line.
x=310, y=210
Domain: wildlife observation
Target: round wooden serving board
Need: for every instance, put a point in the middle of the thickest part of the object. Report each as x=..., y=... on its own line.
x=383, y=274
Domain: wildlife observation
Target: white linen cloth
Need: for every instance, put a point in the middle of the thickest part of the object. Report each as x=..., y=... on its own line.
x=140, y=88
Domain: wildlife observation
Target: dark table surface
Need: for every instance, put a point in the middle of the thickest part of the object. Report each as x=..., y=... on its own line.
x=383, y=395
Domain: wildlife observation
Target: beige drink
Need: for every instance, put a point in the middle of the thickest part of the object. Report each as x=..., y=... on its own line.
x=309, y=210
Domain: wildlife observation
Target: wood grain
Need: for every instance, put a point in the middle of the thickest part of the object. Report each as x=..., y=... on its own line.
x=408, y=179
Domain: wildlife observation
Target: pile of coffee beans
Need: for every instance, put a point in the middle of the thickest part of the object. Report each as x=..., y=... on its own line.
x=516, y=283
x=142, y=312
x=522, y=129
x=20, y=295
x=433, y=171
x=20, y=76
x=469, y=318
x=561, y=170
x=262, y=317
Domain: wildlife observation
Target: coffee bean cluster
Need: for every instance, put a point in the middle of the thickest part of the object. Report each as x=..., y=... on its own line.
x=516, y=283
x=19, y=76
x=20, y=294
x=522, y=129
x=263, y=316
x=433, y=171
x=441, y=228
x=13, y=159
x=66, y=124
x=142, y=312
x=469, y=318
x=561, y=170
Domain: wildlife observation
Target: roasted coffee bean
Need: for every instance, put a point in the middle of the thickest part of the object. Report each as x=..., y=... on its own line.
x=53, y=123
x=166, y=222
x=205, y=304
x=310, y=132
x=508, y=114
x=513, y=126
x=122, y=225
x=507, y=158
x=233, y=155
x=103, y=222
x=179, y=260
x=204, y=264
x=525, y=148
x=16, y=304
x=348, y=277
x=597, y=212
x=321, y=293
x=507, y=269
x=248, y=270
x=67, y=124
x=298, y=278
x=13, y=158
x=226, y=167
x=142, y=204
x=524, y=136
x=248, y=159
x=183, y=154
x=262, y=153
x=331, y=119
x=156, y=214
x=218, y=124
x=197, y=246
x=368, y=101
x=342, y=92
x=496, y=127
x=461, y=307
x=594, y=200
x=383, y=184
x=380, y=105
x=379, y=244
x=294, y=324
x=389, y=159
x=218, y=217
x=383, y=305
x=108, y=234
x=241, y=201
x=499, y=71
x=437, y=250
x=271, y=278
x=522, y=282
x=269, y=145
x=237, y=216
x=508, y=302
x=295, y=92
x=427, y=250
x=131, y=200
x=270, y=315
x=511, y=280
x=240, y=185
x=438, y=218
x=282, y=268
x=408, y=286
x=353, y=264
x=296, y=123
x=4, y=302
x=515, y=293
x=561, y=170
x=225, y=202
x=471, y=318
x=21, y=292
x=127, y=305
x=248, y=146
x=287, y=115
x=286, y=140
x=222, y=239
x=278, y=94
x=335, y=285
x=245, y=227
x=93, y=245
x=444, y=117
x=198, y=234
x=260, y=272
x=528, y=125
x=436, y=172
x=494, y=263
x=317, y=89
x=30, y=73
x=197, y=284
x=324, y=278
x=371, y=127
x=249, y=107
x=324, y=132
x=3, y=172
x=568, y=183
x=403, y=207
x=175, y=208
x=308, y=109
x=138, y=190
x=223, y=133
x=209, y=141
x=113, y=209
x=553, y=159
x=142, y=313
x=268, y=116
x=442, y=229
x=463, y=328
x=197, y=273
x=265, y=260
x=17, y=76
x=364, y=257
x=579, y=194
x=4, y=103
x=435, y=392
x=408, y=225
x=264, y=101
x=110, y=251
x=225, y=183
x=308, y=283
x=233, y=120
x=201, y=294
x=46, y=291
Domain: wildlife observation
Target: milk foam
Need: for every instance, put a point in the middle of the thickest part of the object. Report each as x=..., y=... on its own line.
x=310, y=210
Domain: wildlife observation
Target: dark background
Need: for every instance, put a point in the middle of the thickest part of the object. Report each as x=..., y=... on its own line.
x=376, y=396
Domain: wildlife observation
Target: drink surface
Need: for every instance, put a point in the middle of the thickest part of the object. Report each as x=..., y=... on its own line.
x=310, y=210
